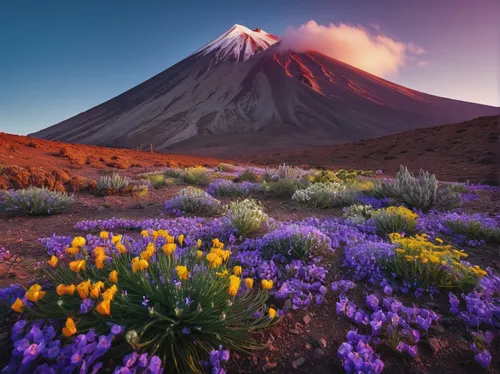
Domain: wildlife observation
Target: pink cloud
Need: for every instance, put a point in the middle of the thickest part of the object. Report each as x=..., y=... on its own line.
x=373, y=52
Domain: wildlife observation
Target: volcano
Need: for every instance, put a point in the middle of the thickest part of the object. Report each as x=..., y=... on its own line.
x=244, y=93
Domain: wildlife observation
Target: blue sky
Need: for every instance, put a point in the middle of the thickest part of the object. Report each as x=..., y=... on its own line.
x=59, y=58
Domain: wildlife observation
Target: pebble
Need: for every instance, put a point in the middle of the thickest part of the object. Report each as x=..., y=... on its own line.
x=318, y=354
x=269, y=366
x=298, y=362
x=322, y=342
x=308, y=346
x=307, y=318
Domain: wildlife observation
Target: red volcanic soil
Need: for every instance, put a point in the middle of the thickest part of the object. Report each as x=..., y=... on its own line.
x=23, y=159
x=458, y=152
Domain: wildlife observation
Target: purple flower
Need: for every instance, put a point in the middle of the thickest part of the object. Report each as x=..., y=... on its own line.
x=484, y=358
x=155, y=365
x=117, y=330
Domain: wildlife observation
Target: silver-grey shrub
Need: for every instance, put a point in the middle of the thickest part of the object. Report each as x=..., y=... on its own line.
x=35, y=201
x=325, y=195
x=195, y=201
x=112, y=182
x=246, y=216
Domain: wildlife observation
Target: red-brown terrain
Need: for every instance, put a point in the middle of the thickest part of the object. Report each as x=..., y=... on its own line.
x=468, y=150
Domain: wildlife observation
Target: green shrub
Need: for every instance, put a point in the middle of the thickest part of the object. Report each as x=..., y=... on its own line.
x=35, y=201
x=323, y=176
x=358, y=213
x=474, y=229
x=112, y=182
x=458, y=187
x=421, y=191
x=174, y=172
x=195, y=176
x=248, y=175
x=225, y=167
x=325, y=195
x=281, y=187
x=246, y=216
x=195, y=201
x=394, y=220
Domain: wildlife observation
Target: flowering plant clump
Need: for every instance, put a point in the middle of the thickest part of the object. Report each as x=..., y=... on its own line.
x=283, y=172
x=246, y=216
x=394, y=219
x=358, y=213
x=113, y=182
x=35, y=201
x=174, y=301
x=194, y=200
x=227, y=188
x=475, y=227
x=294, y=242
x=197, y=176
x=418, y=259
x=325, y=195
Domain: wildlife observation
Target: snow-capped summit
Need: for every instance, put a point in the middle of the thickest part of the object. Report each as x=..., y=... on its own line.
x=239, y=43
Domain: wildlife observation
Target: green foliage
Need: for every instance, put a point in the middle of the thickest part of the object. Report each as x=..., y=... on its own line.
x=421, y=191
x=458, y=187
x=325, y=195
x=248, y=175
x=474, y=229
x=112, y=182
x=195, y=176
x=225, y=167
x=358, y=213
x=35, y=201
x=281, y=187
x=157, y=181
x=323, y=176
x=195, y=201
x=246, y=216
x=189, y=307
x=394, y=220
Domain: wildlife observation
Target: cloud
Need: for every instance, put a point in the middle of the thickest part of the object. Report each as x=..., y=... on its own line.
x=365, y=49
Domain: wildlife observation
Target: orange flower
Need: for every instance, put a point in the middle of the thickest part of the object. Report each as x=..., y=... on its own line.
x=237, y=270
x=94, y=292
x=70, y=328
x=76, y=266
x=272, y=313
x=104, y=235
x=139, y=264
x=168, y=248
x=199, y=255
x=98, y=251
x=249, y=283
x=113, y=277
x=53, y=261
x=83, y=289
x=115, y=239
x=182, y=272
x=234, y=285
x=78, y=242
x=180, y=239
x=99, y=261
x=35, y=293
x=267, y=284
x=109, y=294
x=65, y=290
x=120, y=248
x=72, y=250
x=18, y=305
x=104, y=308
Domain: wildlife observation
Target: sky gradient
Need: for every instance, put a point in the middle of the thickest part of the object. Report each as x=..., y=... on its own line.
x=59, y=58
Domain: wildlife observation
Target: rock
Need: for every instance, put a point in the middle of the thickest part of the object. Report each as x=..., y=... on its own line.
x=307, y=319
x=269, y=366
x=322, y=342
x=319, y=354
x=308, y=346
x=287, y=305
x=298, y=362
x=293, y=331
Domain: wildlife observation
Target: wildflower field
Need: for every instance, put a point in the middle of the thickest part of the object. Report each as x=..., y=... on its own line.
x=235, y=269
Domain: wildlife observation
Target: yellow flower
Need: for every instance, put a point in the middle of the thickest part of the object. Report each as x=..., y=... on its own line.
x=145, y=255
x=65, y=290
x=139, y=264
x=145, y=233
x=267, y=284
x=98, y=251
x=225, y=273
x=440, y=241
x=234, y=285
x=78, y=242
x=76, y=266
x=180, y=239
x=272, y=313
x=409, y=258
x=115, y=239
x=199, y=254
x=399, y=250
x=83, y=289
x=70, y=328
x=434, y=259
x=170, y=239
x=424, y=260
x=443, y=263
x=182, y=272
x=99, y=261
x=249, y=283
x=155, y=235
x=72, y=250
x=35, y=293
x=120, y=248
x=18, y=306
x=109, y=294
x=237, y=270
x=198, y=243
x=53, y=261
x=95, y=291
x=104, y=307
x=113, y=277
x=104, y=235
x=168, y=248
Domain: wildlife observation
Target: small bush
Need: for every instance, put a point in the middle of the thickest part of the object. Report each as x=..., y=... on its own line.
x=157, y=180
x=421, y=191
x=246, y=216
x=358, y=213
x=195, y=176
x=225, y=168
x=226, y=188
x=325, y=195
x=173, y=172
x=419, y=261
x=248, y=175
x=112, y=182
x=281, y=188
x=283, y=172
x=323, y=176
x=35, y=201
x=195, y=201
x=478, y=230
x=458, y=187
x=394, y=220
x=294, y=242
